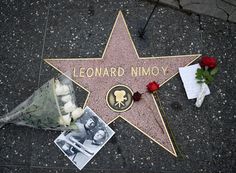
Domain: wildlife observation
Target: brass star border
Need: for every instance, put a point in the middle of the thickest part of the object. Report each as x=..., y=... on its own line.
x=121, y=26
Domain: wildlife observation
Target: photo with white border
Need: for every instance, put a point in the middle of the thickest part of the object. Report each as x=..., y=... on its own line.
x=81, y=145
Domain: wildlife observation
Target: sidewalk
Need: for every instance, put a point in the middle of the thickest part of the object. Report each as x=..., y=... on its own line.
x=33, y=31
x=223, y=9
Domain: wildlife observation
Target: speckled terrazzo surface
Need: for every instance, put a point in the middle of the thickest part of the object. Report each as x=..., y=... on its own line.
x=120, y=53
x=33, y=30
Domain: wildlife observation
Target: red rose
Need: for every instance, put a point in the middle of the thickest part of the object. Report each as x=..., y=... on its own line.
x=209, y=62
x=136, y=96
x=153, y=86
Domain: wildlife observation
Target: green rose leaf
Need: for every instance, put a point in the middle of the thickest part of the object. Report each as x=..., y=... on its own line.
x=214, y=71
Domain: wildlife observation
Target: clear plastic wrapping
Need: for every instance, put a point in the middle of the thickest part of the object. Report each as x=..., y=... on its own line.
x=52, y=106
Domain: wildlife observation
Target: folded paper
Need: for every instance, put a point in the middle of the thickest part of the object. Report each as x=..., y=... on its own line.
x=192, y=88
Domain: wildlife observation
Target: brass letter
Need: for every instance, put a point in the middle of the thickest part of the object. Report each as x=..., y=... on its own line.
x=139, y=71
x=105, y=72
x=164, y=70
x=134, y=72
x=89, y=70
x=98, y=71
x=144, y=72
x=121, y=71
x=155, y=69
x=81, y=72
x=74, y=73
x=113, y=71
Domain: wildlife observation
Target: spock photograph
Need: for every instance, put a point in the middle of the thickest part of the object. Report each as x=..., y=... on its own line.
x=81, y=145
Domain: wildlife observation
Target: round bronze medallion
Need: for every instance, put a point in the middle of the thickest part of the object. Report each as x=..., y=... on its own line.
x=119, y=98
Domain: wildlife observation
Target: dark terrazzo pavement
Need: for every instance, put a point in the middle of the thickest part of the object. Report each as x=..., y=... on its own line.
x=33, y=30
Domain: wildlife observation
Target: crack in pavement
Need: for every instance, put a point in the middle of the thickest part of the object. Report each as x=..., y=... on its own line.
x=178, y=4
x=227, y=2
x=217, y=5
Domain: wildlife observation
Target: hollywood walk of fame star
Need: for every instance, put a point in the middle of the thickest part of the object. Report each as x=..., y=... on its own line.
x=112, y=79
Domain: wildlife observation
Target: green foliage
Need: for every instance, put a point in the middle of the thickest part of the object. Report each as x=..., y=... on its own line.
x=206, y=75
x=214, y=71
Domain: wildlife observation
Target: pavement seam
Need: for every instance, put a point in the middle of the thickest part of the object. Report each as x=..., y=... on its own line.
x=227, y=14
x=43, y=47
x=40, y=68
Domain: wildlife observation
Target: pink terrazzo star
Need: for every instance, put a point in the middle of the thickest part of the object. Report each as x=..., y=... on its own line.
x=121, y=52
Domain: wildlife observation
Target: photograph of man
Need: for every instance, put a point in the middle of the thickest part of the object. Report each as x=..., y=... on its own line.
x=82, y=144
x=99, y=137
x=85, y=131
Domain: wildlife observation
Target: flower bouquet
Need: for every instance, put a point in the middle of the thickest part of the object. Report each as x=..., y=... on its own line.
x=52, y=107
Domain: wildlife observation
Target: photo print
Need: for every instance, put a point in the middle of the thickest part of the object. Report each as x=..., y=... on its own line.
x=81, y=145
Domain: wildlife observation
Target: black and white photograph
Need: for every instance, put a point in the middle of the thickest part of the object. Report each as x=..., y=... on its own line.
x=81, y=145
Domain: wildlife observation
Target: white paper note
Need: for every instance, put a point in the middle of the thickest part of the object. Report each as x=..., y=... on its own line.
x=191, y=86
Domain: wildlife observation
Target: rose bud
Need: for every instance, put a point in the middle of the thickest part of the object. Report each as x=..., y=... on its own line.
x=209, y=62
x=136, y=96
x=65, y=120
x=77, y=113
x=69, y=107
x=66, y=98
x=153, y=86
x=61, y=89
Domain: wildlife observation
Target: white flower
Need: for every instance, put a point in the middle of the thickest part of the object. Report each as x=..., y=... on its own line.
x=61, y=89
x=57, y=82
x=69, y=107
x=65, y=120
x=77, y=113
x=66, y=98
